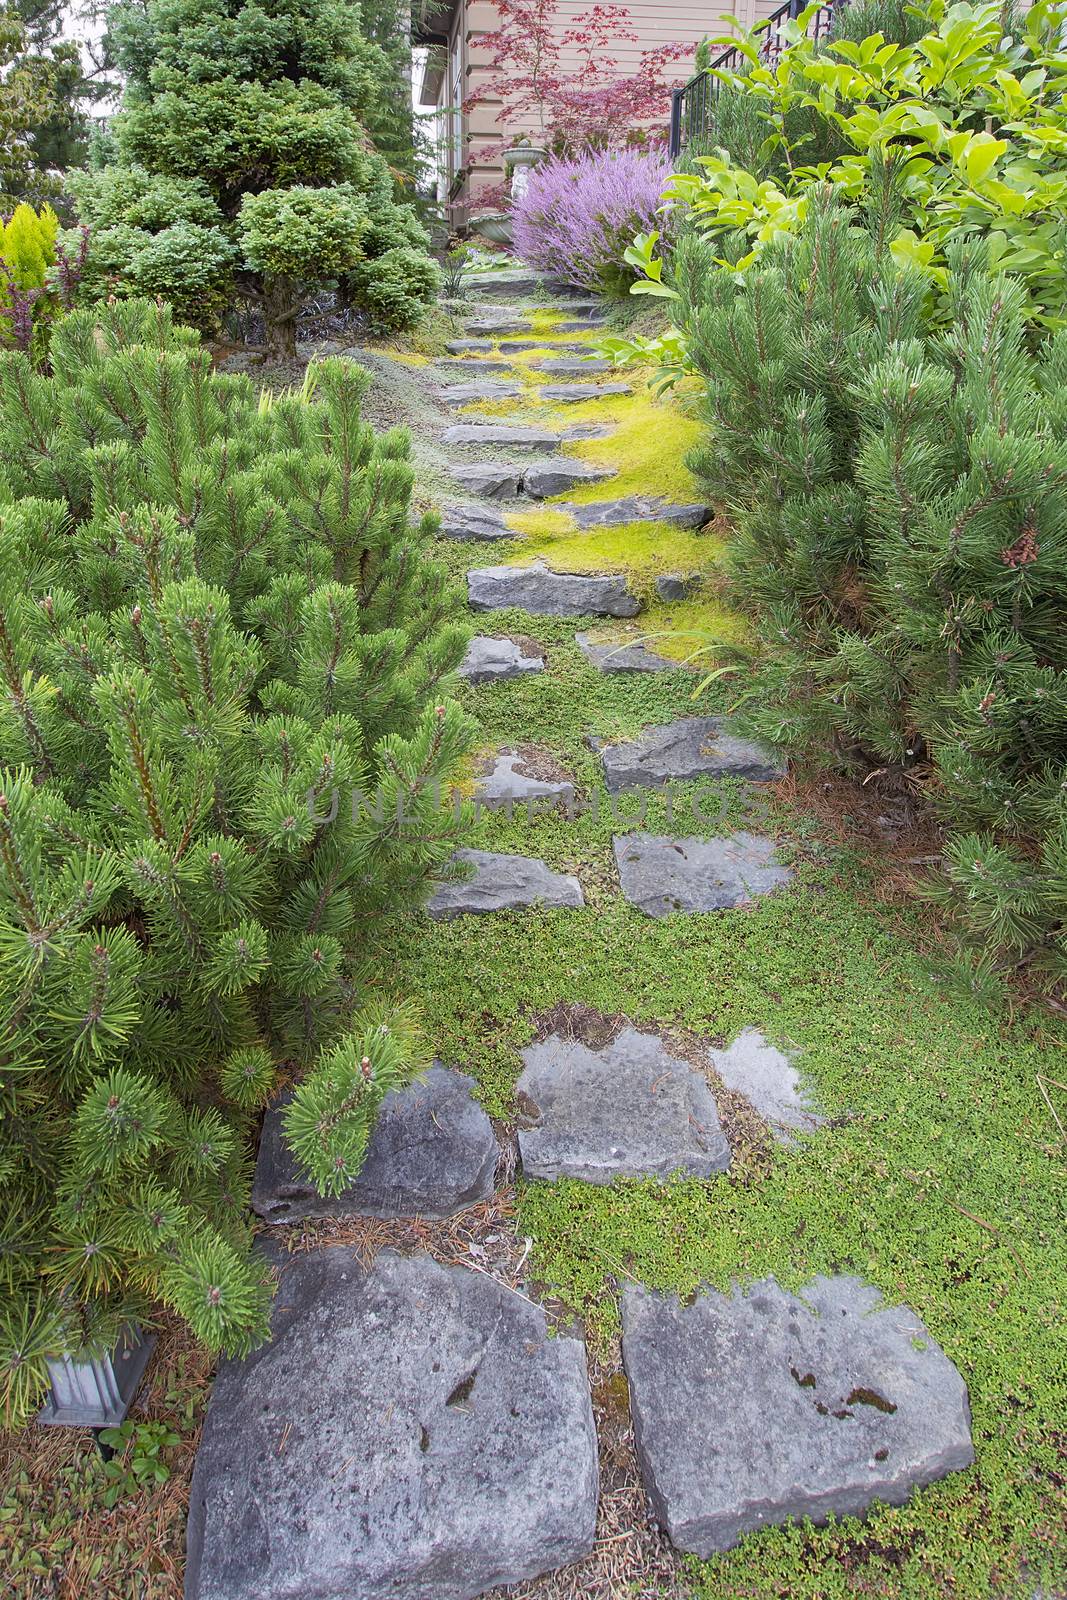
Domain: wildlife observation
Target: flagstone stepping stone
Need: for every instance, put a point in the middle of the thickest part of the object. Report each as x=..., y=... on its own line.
x=410, y=1432
x=672, y=586
x=489, y=660
x=548, y=342
x=488, y=325
x=473, y=522
x=577, y=326
x=769, y=1082
x=493, y=480
x=566, y=369
x=572, y=393
x=629, y=1110
x=539, y=482
x=460, y=347
x=495, y=433
x=474, y=365
x=550, y=594
x=692, y=747
x=610, y=657
x=637, y=508
x=660, y=875
x=503, y=883
x=503, y=282
x=756, y=1406
x=432, y=1154
x=466, y=394
x=505, y=782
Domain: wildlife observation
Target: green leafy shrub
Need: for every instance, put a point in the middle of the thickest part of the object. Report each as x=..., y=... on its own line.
x=900, y=511
x=972, y=120
x=218, y=624
x=227, y=112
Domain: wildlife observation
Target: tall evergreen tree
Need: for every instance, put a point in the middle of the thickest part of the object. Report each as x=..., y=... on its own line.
x=244, y=168
x=217, y=624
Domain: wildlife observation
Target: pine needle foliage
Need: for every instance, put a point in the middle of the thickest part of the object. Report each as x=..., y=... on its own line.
x=217, y=625
x=900, y=501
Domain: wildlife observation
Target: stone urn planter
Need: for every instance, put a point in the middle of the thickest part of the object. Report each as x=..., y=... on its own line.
x=492, y=225
x=96, y=1391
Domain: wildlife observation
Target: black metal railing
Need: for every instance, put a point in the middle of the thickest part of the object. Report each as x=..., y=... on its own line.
x=691, y=105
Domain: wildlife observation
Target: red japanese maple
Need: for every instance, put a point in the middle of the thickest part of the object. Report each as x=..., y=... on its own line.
x=574, y=108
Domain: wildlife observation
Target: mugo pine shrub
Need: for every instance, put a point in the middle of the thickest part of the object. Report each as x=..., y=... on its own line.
x=243, y=171
x=216, y=622
x=578, y=216
x=900, y=504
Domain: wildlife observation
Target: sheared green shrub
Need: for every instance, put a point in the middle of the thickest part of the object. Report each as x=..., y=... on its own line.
x=395, y=286
x=227, y=111
x=303, y=233
x=200, y=669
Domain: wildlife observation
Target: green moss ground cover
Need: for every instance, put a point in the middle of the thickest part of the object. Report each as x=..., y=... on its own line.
x=939, y=1177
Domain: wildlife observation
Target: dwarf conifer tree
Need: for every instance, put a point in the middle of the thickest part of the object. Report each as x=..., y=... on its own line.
x=243, y=169
x=217, y=623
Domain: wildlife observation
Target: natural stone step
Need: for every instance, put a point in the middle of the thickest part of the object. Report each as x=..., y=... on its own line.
x=498, y=480
x=566, y=369
x=489, y=660
x=637, y=508
x=410, y=1432
x=550, y=594
x=678, y=586
x=622, y=657
x=572, y=393
x=460, y=347
x=474, y=522
x=577, y=326
x=496, y=433
x=507, y=283
x=660, y=875
x=756, y=1406
x=492, y=480
x=630, y=1109
x=692, y=747
x=556, y=477
x=466, y=394
x=485, y=326
x=548, y=342
x=503, y=883
x=769, y=1082
x=505, y=781
x=432, y=1154
x=474, y=366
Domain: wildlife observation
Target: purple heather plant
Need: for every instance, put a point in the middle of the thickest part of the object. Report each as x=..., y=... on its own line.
x=579, y=214
x=16, y=308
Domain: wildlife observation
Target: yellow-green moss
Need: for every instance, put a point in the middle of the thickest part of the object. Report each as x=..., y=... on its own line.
x=541, y=523
x=642, y=550
x=646, y=448
x=410, y=358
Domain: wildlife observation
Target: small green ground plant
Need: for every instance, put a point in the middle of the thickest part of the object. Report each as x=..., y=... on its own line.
x=218, y=628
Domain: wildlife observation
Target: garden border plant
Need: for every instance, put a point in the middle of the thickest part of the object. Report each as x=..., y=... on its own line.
x=214, y=613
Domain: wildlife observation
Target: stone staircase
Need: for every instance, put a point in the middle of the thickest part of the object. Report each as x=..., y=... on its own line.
x=422, y=1431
